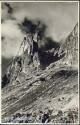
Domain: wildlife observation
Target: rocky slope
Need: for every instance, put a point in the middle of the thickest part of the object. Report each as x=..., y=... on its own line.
x=47, y=96
x=70, y=46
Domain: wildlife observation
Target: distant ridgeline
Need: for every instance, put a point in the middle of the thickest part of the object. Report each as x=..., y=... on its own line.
x=70, y=46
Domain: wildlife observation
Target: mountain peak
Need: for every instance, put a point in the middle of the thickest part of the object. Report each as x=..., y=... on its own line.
x=49, y=95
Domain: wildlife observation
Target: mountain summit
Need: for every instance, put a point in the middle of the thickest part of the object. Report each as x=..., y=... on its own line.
x=49, y=95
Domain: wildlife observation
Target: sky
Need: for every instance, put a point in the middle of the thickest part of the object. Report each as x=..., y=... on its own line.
x=59, y=17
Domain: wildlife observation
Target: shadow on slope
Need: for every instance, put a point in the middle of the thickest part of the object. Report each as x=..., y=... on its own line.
x=49, y=53
x=4, y=64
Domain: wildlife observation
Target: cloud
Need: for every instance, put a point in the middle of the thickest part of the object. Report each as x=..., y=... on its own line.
x=60, y=18
x=13, y=37
x=10, y=29
x=6, y=11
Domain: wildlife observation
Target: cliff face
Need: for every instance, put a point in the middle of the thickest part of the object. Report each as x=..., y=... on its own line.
x=70, y=47
x=51, y=95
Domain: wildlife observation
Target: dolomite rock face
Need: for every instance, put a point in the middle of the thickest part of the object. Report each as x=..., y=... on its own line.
x=70, y=47
x=49, y=95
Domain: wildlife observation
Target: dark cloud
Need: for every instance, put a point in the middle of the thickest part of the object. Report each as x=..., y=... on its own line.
x=31, y=26
x=10, y=9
